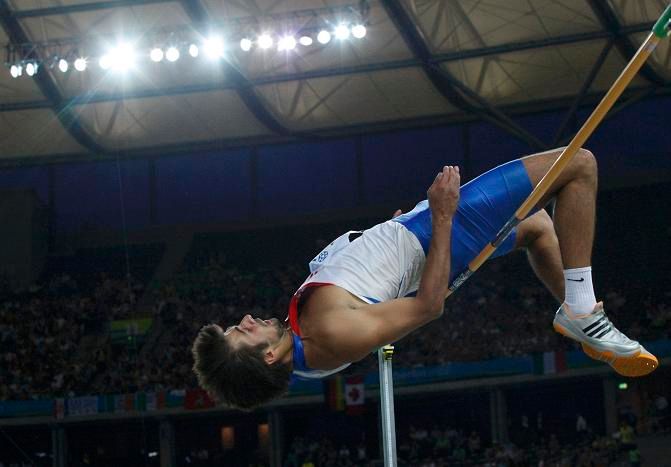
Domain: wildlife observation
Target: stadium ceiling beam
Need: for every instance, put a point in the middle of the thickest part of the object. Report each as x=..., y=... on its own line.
x=47, y=86
x=630, y=96
x=466, y=21
x=245, y=89
x=445, y=83
x=82, y=7
x=584, y=89
x=95, y=97
x=608, y=19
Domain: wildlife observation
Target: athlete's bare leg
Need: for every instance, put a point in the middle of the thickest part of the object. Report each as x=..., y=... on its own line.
x=574, y=216
x=536, y=235
x=575, y=209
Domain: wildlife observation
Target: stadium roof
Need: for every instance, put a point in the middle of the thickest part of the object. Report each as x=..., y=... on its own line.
x=421, y=62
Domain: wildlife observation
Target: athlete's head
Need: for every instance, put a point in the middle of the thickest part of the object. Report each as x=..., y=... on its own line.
x=245, y=365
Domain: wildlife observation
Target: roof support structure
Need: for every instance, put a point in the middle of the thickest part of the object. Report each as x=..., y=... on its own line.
x=584, y=89
x=466, y=21
x=47, y=86
x=93, y=97
x=630, y=96
x=445, y=83
x=195, y=10
x=608, y=19
x=313, y=74
x=502, y=120
x=82, y=7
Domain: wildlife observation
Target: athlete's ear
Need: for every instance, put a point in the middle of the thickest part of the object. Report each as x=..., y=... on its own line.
x=397, y=213
x=270, y=356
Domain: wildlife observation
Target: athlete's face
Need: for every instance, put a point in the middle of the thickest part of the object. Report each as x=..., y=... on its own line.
x=253, y=331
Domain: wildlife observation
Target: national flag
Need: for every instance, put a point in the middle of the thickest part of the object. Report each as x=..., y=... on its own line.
x=119, y=403
x=86, y=405
x=141, y=401
x=106, y=403
x=355, y=396
x=160, y=400
x=550, y=363
x=151, y=401
x=197, y=399
x=175, y=398
x=59, y=408
x=334, y=395
x=129, y=402
x=126, y=330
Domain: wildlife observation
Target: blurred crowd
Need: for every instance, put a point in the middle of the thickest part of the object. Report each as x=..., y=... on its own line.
x=446, y=446
x=55, y=339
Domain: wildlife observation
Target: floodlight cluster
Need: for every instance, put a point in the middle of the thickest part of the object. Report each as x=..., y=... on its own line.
x=125, y=56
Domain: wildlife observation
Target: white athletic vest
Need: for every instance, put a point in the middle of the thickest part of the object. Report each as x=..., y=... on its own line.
x=381, y=264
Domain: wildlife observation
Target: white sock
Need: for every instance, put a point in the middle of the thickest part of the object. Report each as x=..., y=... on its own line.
x=579, y=292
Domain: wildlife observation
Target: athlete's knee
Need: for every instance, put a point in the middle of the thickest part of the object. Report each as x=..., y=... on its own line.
x=545, y=238
x=543, y=222
x=585, y=165
x=537, y=231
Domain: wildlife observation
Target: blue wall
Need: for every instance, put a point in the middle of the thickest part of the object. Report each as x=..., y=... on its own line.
x=293, y=180
x=93, y=194
x=201, y=188
x=306, y=178
x=34, y=178
x=403, y=165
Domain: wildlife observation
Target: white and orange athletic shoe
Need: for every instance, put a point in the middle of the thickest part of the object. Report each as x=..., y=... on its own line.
x=601, y=340
x=642, y=365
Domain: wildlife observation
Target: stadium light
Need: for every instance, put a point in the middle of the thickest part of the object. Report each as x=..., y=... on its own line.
x=213, y=48
x=341, y=32
x=80, y=64
x=124, y=56
x=105, y=62
x=120, y=58
x=172, y=54
x=31, y=68
x=63, y=65
x=245, y=44
x=324, y=37
x=359, y=31
x=286, y=43
x=156, y=54
x=265, y=41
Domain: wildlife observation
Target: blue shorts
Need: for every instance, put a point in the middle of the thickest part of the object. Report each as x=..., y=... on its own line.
x=485, y=204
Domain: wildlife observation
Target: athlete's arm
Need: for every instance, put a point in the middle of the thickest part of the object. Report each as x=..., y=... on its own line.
x=356, y=332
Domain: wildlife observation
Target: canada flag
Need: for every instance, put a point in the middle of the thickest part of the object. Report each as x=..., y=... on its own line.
x=355, y=395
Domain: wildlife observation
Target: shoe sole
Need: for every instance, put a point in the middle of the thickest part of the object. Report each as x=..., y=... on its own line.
x=637, y=364
x=642, y=364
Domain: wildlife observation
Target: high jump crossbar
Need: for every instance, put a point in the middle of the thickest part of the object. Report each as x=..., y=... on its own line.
x=659, y=31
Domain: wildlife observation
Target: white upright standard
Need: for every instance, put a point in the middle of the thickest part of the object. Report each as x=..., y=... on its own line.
x=384, y=356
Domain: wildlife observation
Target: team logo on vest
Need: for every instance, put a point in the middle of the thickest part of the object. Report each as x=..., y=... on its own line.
x=322, y=256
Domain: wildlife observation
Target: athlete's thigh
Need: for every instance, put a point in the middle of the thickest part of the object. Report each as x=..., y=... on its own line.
x=539, y=164
x=485, y=204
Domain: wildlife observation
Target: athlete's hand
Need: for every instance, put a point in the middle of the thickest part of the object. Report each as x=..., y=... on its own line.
x=443, y=194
